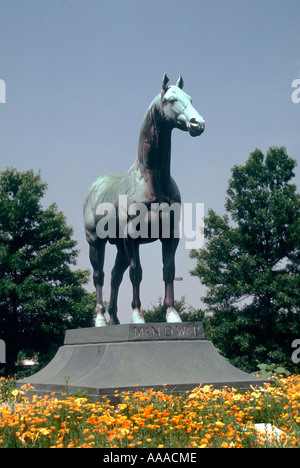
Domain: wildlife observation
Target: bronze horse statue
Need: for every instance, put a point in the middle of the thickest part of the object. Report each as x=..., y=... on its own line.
x=147, y=182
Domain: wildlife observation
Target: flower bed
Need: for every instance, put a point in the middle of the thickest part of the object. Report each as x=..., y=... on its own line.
x=202, y=418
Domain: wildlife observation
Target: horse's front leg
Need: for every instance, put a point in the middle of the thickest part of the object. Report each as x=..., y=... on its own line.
x=135, y=274
x=169, y=247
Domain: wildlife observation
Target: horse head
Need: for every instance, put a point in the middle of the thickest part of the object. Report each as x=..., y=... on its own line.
x=178, y=110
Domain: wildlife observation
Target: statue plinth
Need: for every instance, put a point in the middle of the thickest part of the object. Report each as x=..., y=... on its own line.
x=171, y=356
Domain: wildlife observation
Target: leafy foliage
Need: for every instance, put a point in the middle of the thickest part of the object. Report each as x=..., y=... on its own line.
x=250, y=263
x=40, y=293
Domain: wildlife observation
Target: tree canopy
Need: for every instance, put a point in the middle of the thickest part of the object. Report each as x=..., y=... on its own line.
x=41, y=293
x=250, y=262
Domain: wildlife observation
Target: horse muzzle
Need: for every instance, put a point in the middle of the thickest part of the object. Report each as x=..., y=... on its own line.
x=196, y=127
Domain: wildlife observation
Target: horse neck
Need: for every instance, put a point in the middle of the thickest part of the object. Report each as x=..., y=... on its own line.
x=154, y=151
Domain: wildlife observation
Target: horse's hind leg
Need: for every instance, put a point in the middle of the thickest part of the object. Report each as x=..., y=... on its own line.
x=97, y=251
x=121, y=264
x=135, y=274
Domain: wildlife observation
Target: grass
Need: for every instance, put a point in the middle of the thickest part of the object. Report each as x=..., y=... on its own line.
x=202, y=418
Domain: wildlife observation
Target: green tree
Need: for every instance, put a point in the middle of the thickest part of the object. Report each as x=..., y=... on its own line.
x=41, y=295
x=250, y=263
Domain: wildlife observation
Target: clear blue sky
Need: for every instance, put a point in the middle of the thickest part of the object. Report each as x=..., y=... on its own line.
x=80, y=75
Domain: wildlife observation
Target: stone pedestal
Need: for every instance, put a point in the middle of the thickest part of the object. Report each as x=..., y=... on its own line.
x=99, y=361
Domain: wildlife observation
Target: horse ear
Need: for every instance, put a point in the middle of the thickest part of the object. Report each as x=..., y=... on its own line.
x=180, y=82
x=165, y=83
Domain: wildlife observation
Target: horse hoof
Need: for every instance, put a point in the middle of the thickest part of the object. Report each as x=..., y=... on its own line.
x=172, y=315
x=114, y=320
x=100, y=320
x=137, y=316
